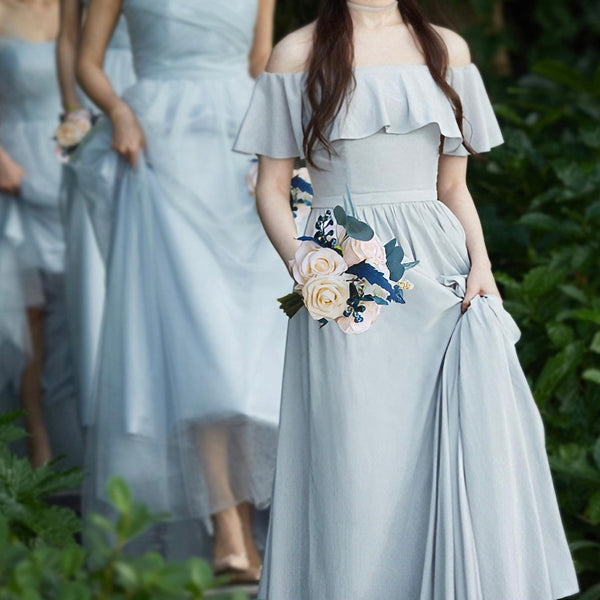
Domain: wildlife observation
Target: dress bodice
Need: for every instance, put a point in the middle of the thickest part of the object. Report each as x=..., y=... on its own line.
x=174, y=39
x=387, y=137
x=29, y=89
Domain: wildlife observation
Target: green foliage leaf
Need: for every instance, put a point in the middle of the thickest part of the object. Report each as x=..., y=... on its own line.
x=556, y=369
x=592, y=375
x=561, y=73
x=595, y=345
x=593, y=509
x=560, y=334
x=340, y=215
x=120, y=494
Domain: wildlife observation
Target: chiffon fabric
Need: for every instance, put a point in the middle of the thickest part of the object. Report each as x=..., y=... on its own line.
x=191, y=351
x=31, y=235
x=411, y=460
x=85, y=272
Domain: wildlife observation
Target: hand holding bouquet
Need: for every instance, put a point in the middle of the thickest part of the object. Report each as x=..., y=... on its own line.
x=345, y=273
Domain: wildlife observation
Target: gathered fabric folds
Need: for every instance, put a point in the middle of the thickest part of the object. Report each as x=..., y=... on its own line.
x=84, y=268
x=411, y=460
x=191, y=351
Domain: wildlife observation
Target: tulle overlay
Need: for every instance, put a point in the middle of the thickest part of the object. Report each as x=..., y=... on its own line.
x=85, y=273
x=191, y=352
x=411, y=460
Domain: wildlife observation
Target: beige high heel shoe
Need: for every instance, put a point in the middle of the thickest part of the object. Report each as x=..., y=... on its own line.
x=249, y=575
x=232, y=563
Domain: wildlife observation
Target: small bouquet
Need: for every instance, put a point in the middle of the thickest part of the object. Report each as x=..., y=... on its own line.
x=72, y=129
x=301, y=192
x=345, y=273
x=301, y=195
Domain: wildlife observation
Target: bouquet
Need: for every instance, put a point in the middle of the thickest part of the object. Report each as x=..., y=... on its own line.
x=301, y=192
x=72, y=129
x=344, y=273
x=301, y=195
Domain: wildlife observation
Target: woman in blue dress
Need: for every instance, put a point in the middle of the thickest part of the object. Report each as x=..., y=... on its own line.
x=191, y=354
x=411, y=461
x=34, y=354
x=84, y=272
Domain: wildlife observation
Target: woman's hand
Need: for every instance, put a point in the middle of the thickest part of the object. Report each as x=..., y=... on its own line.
x=479, y=283
x=128, y=137
x=11, y=174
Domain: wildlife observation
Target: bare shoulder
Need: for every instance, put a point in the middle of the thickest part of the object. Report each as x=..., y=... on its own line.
x=458, y=49
x=291, y=54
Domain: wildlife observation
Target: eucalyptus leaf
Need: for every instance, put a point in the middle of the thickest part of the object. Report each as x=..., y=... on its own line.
x=410, y=265
x=358, y=230
x=396, y=271
x=340, y=215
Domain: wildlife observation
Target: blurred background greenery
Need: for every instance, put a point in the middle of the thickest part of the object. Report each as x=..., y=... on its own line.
x=539, y=198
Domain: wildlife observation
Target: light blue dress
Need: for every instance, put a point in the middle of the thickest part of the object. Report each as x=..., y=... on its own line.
x=85, y=273
x=191, y=354
x=31, y=236
x=411, y=460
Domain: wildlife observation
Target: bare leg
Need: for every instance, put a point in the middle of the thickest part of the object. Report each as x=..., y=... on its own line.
x=251, y=574
x=212, y=443
x=38, y=443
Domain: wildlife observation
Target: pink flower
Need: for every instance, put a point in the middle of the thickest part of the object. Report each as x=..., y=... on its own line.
x=348, y=325
x=312, y=260
x=356, y=251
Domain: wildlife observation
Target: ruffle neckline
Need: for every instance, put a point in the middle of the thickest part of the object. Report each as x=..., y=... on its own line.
x=397, y=99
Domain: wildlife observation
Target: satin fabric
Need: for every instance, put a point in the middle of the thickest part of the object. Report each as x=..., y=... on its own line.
x=411, y=460
x=191, y=353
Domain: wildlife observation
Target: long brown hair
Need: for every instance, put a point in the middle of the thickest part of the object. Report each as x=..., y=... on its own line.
x=330, y=76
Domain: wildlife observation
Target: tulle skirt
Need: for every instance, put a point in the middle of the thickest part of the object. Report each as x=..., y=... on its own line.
x=191, y=351
x=85, y=272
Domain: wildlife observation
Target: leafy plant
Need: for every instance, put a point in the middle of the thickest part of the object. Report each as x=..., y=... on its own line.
x=38, y=561
x=539, y=197
x=23, y=494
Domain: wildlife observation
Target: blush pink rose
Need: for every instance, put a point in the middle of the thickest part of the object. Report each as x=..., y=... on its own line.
x=356, y=251
x=348, y=325
x=312, y=260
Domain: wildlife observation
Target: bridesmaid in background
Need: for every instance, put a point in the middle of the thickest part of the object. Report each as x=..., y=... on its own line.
x=84, y=273
x=31, y=238
x=191, y=354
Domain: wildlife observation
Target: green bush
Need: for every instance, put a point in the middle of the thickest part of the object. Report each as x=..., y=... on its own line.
x=39, y=559
x=539, y=197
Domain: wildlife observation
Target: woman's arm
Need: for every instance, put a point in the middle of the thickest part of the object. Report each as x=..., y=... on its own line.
x=263, y=37
x=10, y=174
x=66, y=52
x=273, y=204
x=454, y=193
x=101, y=20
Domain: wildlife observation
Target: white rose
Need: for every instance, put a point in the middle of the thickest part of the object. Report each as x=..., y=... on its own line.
x=325, y=297
x=312, y=260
